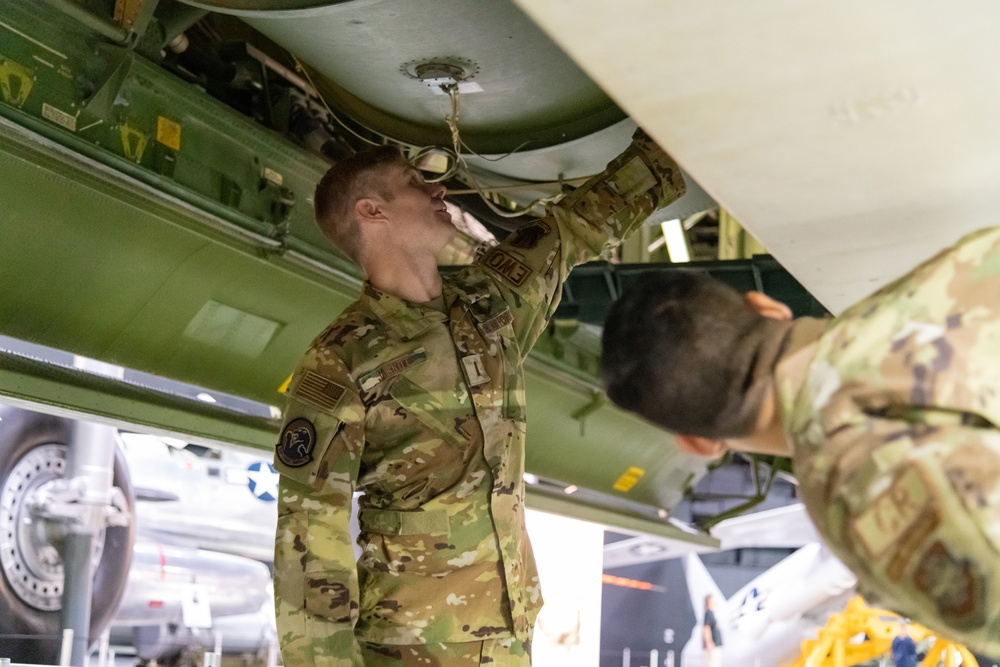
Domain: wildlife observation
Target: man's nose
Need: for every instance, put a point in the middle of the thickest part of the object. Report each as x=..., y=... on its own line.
x=437, y=190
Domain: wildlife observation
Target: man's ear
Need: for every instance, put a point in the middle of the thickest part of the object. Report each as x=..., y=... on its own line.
x=699, y=446
x=369, y=209
x=767, y=307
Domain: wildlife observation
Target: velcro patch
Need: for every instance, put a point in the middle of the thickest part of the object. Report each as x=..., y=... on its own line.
x=508, y=266
x=528, y=236
x=497, y=322
x=297, y=442
x=633, y=179
x=892, y=514
x=321, y=392
x=392, y=369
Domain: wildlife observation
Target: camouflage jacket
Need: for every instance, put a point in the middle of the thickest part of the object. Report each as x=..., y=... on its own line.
x=423, y=412
x=893, y=411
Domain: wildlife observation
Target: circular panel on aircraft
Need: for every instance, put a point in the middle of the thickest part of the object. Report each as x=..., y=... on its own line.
x=372, y=61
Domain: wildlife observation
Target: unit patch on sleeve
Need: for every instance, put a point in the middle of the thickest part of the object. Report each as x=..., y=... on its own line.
x=296, y=444
x=956, y=586
x=316, y=389
x=889, y=516
x=508, y=266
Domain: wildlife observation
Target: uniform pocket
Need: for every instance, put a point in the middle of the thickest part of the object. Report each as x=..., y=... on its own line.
x=441, y=418
x=289, y=573
x=328, y=595
x=314, y=572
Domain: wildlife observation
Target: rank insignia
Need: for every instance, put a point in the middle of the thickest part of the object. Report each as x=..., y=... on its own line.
x=475, y=373
x=296, y=444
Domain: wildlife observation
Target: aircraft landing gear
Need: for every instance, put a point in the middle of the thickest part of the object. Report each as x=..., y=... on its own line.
x=40, y=512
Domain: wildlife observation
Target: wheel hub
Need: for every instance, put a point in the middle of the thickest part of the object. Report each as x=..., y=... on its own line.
x=28, y=558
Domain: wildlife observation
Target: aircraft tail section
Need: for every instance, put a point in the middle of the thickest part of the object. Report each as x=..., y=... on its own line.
x=765, y=621
x=701, y=584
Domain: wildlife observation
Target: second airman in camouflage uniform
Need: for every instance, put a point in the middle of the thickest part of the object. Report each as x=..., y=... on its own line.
x=419, y=405
x=891, y=412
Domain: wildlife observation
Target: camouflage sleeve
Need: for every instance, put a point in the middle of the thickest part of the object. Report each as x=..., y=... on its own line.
x=903, y=497
x=318, y=456
x=531, y=265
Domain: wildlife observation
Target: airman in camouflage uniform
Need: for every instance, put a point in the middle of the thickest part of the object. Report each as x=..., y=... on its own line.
x=891, y=412
x=420, y=407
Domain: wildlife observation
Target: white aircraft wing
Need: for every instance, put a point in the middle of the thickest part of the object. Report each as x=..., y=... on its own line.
x=852, y=138
x=786, y=527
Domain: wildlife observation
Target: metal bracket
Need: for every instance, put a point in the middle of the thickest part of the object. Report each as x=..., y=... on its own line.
x=761, y=489
x=64, y=500
x=100, y=95
x=597, y=401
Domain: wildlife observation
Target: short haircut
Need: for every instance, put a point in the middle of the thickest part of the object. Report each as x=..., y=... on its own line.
x=360, y=175
x=681, y=349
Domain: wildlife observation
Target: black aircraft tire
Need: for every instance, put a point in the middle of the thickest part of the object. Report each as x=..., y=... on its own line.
x=28, y=634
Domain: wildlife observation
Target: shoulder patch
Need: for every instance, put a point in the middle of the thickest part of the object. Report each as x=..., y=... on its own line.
x=889, y=516
x=528, y=236
x=508, y=266
x=321, y=392
x=956, y=586
x=297, y=442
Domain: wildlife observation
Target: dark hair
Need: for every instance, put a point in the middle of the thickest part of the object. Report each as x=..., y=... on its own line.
x=682, y=349
x=360, y=175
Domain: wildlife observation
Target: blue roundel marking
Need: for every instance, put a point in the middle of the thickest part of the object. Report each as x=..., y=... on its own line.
x=263, y=481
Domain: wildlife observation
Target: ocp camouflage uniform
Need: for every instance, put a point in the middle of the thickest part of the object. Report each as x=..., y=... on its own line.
x=424, y=413
x=892, y=410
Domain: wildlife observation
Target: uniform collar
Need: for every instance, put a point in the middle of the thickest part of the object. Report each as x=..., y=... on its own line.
x=797, y=354
x=406, y=318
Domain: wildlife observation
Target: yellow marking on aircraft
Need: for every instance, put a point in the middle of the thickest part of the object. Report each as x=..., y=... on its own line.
x=629, y=479
x=16, y=81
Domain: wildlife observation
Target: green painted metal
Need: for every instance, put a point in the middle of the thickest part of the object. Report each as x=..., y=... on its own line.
x=109, y=103
x=567, y=506
x=97, y=264
x=30, y=383
x=596, y=451
x=99, y=25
